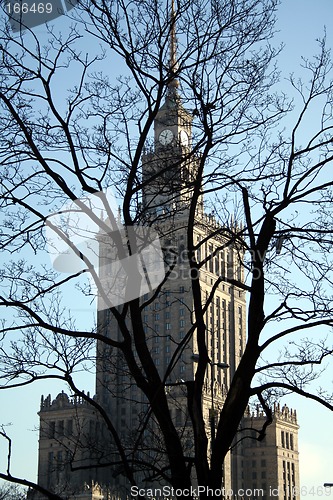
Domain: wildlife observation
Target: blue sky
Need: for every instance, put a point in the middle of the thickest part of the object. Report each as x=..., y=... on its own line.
x=300, y=22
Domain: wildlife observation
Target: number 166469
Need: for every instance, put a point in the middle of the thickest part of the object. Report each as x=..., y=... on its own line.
x=25, y=8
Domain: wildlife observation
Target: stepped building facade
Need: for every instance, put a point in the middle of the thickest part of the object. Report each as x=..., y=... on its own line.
x=74, y=439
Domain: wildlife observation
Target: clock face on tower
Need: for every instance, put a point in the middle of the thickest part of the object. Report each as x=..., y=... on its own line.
x=165, y=137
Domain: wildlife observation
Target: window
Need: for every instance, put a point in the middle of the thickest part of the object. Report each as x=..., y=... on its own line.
x=217, y=266
x=222, y=266
x=291, y=441
x=167, y=315
x=178, y=416
x=182, y=253
x=181, y=289
x=167, y=326
x=167, y=348
x=210, y=250
x=51, y=430
x=156, y=316
x=181, y=311
x=50, y=465
x=69, y=427
x=282, y=440
x=61, y=428
x=181, y=323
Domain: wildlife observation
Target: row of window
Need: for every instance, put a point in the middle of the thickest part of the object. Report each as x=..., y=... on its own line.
x=255, y=475
x=287, y=440
x=167, y=294
x=289, y=471
x=156, y=349
x=259, y=492
x=60, y=428
x=254, y=463
x=289, y=481
x=57, y=459
x=167, y=314
x=223, y=262
x=167, y=359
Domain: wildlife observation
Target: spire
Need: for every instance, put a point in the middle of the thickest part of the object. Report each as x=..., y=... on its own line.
x=172, y=94
x=173, y=66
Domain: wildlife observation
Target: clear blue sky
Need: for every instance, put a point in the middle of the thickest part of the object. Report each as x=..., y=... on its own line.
x=300, y=22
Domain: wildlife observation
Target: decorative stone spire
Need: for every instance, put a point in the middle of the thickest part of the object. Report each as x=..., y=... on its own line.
x=172, y=94
x=173, y=45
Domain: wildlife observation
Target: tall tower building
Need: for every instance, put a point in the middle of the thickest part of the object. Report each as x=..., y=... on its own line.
x=168, y=173
x=168, y=178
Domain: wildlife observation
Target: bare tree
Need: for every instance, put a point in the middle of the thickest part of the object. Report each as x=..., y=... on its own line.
x=11, y=492
x=271, y=192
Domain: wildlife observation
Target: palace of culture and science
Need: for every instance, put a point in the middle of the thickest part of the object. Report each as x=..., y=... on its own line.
x=72, y=443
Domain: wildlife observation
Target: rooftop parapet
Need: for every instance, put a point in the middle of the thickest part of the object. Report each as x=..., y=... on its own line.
x=282, y=413
x=62, y=400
